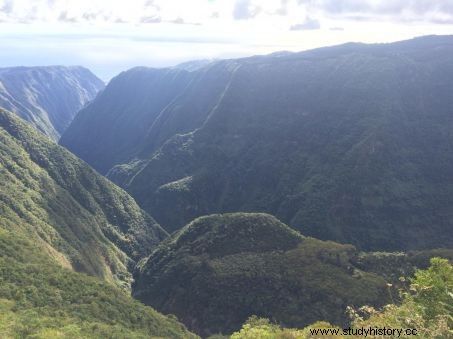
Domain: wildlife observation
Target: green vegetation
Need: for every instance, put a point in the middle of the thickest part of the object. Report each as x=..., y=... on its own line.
x=335, y=147
x=140, y=110
x=261, y=328
x=428, y=307
x=58, y=216
x=350, y=143
x=218, y=270
x=70, y=211
x=393, y=266
x=40, y=299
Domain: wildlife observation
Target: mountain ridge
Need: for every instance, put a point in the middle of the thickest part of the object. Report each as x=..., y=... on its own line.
x=344, y=143
x=73, y=213
x=47, y=96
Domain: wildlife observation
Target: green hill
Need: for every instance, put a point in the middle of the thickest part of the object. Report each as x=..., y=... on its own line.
x=58, y=216
x=40, y=299
x=219, y=270
x=68, y=210
x=350, y=143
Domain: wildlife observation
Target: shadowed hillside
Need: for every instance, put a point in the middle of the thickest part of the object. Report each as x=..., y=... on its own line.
x=219, y=270
x=349, y=143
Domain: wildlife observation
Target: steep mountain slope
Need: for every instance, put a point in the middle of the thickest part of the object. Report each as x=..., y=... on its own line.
x=219, y=270
x=68, y=210
x=142, y=108
x=40, y=299
x=350, y=143
x=47, y=97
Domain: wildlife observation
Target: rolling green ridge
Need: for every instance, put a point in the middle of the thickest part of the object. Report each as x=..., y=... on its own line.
x=350, y=143
x=219, y=270
x=68, y=210
x=68, y=241
x=40, y=299
x=47, y=97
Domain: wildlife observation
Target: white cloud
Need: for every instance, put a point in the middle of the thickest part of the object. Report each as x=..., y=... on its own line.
x=245, y=9
x=93, y=11
x=435, y=11
x=307, y=24
x=113, y=35
x=204, y=11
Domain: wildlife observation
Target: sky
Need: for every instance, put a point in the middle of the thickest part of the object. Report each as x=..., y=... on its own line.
x=110, y=36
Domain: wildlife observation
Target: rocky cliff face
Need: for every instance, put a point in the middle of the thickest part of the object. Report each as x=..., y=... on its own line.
x=47, y=97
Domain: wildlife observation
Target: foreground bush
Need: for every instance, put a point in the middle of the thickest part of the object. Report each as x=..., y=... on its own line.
x=426, y=307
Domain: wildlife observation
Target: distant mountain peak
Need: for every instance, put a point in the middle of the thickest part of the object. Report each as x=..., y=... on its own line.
x=47, y=96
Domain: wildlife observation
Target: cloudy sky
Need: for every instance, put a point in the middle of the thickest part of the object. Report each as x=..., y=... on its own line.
x=109, y=36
